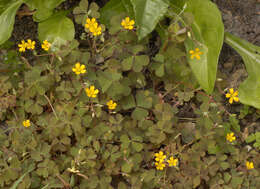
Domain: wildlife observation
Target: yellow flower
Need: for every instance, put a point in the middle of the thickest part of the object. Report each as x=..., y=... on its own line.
x=30, y=44
x=232, y=95
x=22, y=46
x=111, y=105
x=195, y=53
x=249, y=165
x=127, y=23
x=79, y=69
x=90, y=23
x=91, y=91
x=93, y=26
x=172, y=162
x=159, y=165
x=46, y=45
x=159, y=156
x=230, y=137
x=26, y=123
x=95, y=29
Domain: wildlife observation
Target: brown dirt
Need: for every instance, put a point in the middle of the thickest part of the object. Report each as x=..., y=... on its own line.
x=241, y=18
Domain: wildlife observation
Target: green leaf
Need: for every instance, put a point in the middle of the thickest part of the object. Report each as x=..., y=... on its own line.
x=128, y=102
x=7, y=20
x=250, y=138
x=208, y=31
x=107, y=78
x=140, y=62
x=139, y=113
x=177, y=5
x=127, y=63
x=227, y=177
x=236, y=181
x=38, y=4
x=121, y=185
x=143, y=100
x=137, y=146
x=147, y=15
x=129, y=8
x=32, y=76
x=224, y=165
x=83, y=4
x=44, y=8
x=125, y=141
x=58, y=29
x=234, y=122
x=158, y=65
x=3, y=5
x=16, y=183
x=127, y=167
x=196, y=181
x=111, y=9
x=148, y=175
x=42, y=14
x=158, y=68
x=249, y=90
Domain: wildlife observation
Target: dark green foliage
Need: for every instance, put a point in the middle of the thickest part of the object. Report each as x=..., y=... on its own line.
x=76, y=142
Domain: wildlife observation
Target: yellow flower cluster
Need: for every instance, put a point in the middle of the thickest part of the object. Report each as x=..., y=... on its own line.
x=26, y=45
x=232, y=95
x=249, y=165
x=26, y=123
x=231, y=137
x=127, y=23
x=30, y=45
x=79, y=69
x=160, y=161
x=93, y=27
x=195, y=53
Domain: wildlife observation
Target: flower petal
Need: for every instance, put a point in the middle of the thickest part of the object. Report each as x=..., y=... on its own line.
x=197, y=56
x=228, y=95
x=236, y=99
x=93, y=20
x=231, y=100
x=132, y=22
x=231, y=91
x=96, y=91
x=77, y=65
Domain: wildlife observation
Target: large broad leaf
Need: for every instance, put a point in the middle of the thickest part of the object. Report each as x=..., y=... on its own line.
x=4, y=4
x=114, y=8
x=207, y=35
x=147, y=14
x=249, y=90
x=37, y=4
x=58, y=28
x=44, y=8
x=177, y=5
x=7, y=20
